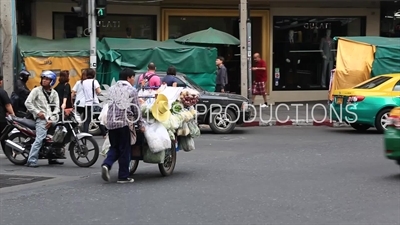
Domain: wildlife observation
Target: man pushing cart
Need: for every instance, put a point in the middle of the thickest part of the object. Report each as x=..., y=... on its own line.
x=169, y=125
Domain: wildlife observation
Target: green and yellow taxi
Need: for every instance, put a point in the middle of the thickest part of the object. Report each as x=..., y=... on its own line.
x=392, y=136
x=368, y=104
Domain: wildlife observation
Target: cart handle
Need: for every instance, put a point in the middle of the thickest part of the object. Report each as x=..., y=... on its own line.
x=148, y=96
x=151, y=87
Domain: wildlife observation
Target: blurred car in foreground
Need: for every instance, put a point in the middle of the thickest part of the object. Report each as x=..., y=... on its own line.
x=392, y=136
x=369, y=103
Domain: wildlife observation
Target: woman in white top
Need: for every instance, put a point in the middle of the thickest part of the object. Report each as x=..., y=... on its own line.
x=91, y=88
x=78, y=95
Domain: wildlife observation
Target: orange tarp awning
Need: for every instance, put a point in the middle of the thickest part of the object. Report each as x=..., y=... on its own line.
x=353, y=64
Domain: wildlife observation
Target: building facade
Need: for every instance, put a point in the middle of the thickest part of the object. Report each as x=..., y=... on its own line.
x=288, y=35
x=390, y=19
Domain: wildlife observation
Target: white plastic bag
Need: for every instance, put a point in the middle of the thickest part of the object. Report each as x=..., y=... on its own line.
x=184, y=130
x=157, y=137
x=106, y=147
x=172, y=94
x=187, y=143
x=194, y=129
x=103, y=115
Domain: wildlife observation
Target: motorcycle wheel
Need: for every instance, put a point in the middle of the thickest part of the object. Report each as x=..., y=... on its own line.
x=12, y=155
x=77, y=153
x=167, y=168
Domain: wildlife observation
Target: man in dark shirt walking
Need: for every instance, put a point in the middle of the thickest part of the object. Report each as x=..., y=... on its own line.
x=123, y=108
x=5, y=108
x=222, y=75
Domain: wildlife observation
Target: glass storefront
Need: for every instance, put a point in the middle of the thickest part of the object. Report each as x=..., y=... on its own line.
x=181, y=25
x=304, y=52
x=390, y=19
x=68, y=25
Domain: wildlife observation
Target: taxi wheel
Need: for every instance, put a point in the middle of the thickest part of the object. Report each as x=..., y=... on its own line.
x=382, y=120
x=360, y=127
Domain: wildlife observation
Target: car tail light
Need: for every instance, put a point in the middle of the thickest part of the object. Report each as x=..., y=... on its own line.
x=394, y=121
x=389, y=152
x=394, y=118
x=354, y=99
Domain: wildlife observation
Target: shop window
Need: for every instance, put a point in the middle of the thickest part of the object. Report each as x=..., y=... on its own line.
x=304, y=52
x=182, y=25
x=390, y=19
x=129, y=26
x=69, y=25
x=179, y=26
x=24, y=17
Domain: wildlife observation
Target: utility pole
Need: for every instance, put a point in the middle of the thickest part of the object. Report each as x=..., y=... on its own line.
x=245, y=50
x=249, y=57
x=93, y=36
x=8, y=41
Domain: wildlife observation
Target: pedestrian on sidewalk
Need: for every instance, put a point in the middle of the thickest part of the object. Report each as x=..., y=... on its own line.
x=43, y=103
x=5, y=108
x=78, y=95
x=260, y=72
x=91, y=88
x=64, y=90
x=222, y=75
x=123, y=109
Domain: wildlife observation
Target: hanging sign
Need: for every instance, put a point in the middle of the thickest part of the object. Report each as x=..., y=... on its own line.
x=316, y=26
x=277, y=76
x=108, y=24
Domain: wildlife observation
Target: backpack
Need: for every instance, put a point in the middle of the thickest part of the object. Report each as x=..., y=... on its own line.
x=145, y=83
x=18, y=105
x=14, y=98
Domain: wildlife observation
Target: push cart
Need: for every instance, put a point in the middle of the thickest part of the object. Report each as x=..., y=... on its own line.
x=166, y=160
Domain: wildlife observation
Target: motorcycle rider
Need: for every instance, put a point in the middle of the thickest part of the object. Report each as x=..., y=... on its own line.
x=43, y=103
x=21, y=92
x=5, y=108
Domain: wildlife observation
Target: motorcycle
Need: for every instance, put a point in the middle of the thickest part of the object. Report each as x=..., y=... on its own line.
x=60, y=134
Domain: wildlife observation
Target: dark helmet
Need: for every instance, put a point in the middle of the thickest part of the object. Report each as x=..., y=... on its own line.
x=24, y=75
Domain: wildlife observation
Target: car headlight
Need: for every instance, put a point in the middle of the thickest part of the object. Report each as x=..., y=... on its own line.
x=245, y=106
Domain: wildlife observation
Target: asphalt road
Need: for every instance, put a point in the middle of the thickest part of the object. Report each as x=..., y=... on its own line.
x=266, y=175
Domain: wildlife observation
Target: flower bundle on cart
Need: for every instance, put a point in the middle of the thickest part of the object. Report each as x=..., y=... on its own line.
x=171, y=117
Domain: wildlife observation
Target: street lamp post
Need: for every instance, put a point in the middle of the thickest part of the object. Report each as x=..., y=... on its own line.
x=245, y=49
x=93, y=36
x=249, y=57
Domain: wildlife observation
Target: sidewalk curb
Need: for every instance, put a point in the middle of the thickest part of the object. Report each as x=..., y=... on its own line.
x=294, y=123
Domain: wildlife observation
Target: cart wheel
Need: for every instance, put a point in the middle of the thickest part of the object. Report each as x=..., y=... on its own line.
x=133, y=166
x=168, y=166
